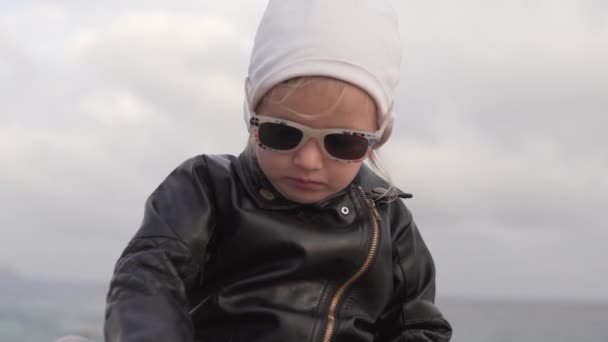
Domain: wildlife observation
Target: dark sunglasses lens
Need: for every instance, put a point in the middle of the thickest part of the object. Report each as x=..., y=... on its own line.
x=346, y=146
x=279, y=136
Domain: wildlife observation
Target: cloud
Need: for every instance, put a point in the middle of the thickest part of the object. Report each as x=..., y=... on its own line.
x=187, y=67
x=100, y=121
x=470, y=182
x=511, y=62
x=500, y=262
x=501, y=113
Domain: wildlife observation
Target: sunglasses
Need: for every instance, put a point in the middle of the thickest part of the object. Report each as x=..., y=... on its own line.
x=338, y=144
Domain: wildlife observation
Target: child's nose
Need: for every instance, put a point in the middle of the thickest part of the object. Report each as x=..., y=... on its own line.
x=309, y=156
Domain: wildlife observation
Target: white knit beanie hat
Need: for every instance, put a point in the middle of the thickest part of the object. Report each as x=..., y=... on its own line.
x=356, y=41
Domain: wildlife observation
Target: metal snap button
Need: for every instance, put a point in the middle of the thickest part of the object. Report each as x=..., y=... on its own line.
x=344, y=210
x=267, y=194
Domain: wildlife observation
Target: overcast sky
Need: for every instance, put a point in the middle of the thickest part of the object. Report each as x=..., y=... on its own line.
x=501, y=131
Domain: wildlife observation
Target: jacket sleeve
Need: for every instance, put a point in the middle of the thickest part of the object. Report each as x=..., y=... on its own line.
x=147, y=299
x=412, y=316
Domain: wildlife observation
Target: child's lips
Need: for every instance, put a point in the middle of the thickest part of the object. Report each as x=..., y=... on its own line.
x=305, y=184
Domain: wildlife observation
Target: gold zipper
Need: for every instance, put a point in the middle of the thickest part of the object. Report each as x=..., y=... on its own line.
x=373, y=250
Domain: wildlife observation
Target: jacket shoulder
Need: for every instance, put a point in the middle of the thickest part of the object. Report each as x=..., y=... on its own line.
x=184, y=200
x=215, y=161
x=204, y=170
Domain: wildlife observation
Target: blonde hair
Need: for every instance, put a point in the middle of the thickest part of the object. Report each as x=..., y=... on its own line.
x=280, y=94
x=376, y=164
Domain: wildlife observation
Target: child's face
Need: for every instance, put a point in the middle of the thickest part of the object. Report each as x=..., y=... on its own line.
x=307, y=175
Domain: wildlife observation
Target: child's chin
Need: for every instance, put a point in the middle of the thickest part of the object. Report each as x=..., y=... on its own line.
x=306, y=197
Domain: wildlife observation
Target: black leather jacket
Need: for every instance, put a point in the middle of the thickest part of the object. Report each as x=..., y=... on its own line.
x=221, y=256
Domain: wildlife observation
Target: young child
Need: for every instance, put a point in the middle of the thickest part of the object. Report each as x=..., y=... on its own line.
x=296, y=239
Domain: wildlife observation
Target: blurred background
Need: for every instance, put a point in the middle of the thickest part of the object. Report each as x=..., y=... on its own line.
x=500, y=136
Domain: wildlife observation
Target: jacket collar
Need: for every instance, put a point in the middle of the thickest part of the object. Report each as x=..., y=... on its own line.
x=267, y=197
x=258, y=185
x=374, y=186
